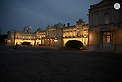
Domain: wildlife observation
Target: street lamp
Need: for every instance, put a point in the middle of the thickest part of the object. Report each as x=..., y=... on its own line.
x=14, y=36
x=56, y=41
x=85, y=41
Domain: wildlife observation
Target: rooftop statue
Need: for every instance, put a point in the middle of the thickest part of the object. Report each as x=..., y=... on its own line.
x=80, y=21
x=39, y=29
x=55, y=25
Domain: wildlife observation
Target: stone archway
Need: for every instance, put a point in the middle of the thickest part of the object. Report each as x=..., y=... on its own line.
x=74, y=44
x=78, y=39
x=26, y=43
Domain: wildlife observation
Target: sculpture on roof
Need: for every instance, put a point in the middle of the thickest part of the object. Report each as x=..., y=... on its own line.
x=55, y=25
x=39, y=29
x=48, y=26
x=80, y=21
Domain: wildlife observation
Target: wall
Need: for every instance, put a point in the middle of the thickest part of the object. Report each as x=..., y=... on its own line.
x=93, y=40
x=118, y=39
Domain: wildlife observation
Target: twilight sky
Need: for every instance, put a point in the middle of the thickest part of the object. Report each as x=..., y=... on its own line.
x=14, y=14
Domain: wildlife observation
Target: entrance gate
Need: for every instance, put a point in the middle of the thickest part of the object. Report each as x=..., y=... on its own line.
x=106, y=39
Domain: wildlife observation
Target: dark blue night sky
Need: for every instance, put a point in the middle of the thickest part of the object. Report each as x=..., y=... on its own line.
x=14, y=14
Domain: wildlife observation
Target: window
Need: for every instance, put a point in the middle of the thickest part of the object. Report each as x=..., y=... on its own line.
x=104, y=33
x=107, y=18
x=104, y=39
x=108, y=33
x=108, y=39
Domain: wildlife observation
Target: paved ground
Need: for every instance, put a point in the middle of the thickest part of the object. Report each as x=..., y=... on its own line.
x=42, y=64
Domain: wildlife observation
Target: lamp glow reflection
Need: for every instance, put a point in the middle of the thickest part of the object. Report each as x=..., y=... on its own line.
x=55, y=39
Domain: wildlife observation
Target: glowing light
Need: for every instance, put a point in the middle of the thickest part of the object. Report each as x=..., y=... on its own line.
x=117, y=6
x=55, y=40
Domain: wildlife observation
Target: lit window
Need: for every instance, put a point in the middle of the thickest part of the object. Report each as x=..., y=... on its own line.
x=107, y=18
x=108, y=33
x=104, y=39
x=104, y=33
x=106, y=22
x=108, y=39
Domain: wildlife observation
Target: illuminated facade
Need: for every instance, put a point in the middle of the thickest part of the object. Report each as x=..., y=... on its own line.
x=104, y=31
x=105, y=26
x=56, y=35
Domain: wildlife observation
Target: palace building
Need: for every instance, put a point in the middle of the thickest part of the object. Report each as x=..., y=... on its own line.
x=105, y=26
x=104, y=31
x=56, y=35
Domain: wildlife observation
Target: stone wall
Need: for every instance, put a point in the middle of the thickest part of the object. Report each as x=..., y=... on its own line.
x=93, y=40
x=118, y=39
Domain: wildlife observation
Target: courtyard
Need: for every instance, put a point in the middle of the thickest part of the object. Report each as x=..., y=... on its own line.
x=47, y=64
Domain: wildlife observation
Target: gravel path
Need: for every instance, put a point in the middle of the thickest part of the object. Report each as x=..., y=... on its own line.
x=41, y=64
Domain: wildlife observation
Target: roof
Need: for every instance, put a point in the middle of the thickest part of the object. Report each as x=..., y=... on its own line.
x=69, y=27
x=20, y=31
x=104, y=3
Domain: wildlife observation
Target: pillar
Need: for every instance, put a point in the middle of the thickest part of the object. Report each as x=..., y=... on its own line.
x=112, y=16
x=100, y=17
x=49, y=42
x=68, y=33
x=121, y=15
x=99, y=39
x=114, y=40
x=93, y=19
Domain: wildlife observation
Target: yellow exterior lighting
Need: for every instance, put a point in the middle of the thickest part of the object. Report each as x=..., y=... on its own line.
x=55, y=39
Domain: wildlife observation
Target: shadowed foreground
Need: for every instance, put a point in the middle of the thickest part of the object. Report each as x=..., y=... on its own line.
x=41, y=64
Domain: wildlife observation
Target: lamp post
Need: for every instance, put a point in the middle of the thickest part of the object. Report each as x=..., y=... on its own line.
x=56, y=41
x=14, y=37
x=85, y=41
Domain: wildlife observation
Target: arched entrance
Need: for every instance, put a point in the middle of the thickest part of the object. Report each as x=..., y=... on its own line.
x=74, y=40
x=106, y=39
x=26, y=43
x=74, y=44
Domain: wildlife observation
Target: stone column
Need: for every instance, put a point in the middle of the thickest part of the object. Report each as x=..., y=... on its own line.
x=112, y=15
x=76, y=33
x=88, y=40
x=100, y=17
x=49, y=42
x=41, y=41
x=114, y=40
x=121, y=15
x=93, y=19
x=55, y=33
x=100, y=39
x=52, y=33
x=68, y=33
x=46, y=42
